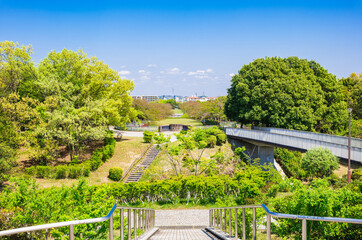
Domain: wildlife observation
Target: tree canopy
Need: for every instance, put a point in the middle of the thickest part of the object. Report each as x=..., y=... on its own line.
x=288, y=93
x=68, y=99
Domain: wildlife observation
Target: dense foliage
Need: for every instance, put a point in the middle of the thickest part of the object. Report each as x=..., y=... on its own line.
x=76, y=169
x=67, y=100
x=23, y=204
x=208, y=112
x=288, y=93
x=290, y=161
x=152, y=111
x=319, y=199
x=319, y=162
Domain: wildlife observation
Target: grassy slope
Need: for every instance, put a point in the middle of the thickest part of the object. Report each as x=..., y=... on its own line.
x=125, y=152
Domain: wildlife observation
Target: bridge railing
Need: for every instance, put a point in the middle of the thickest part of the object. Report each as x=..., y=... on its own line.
x=137, y=218
x=221, y=219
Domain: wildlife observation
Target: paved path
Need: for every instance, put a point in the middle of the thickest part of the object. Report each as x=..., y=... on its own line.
x=182, y=218
x=181, y=234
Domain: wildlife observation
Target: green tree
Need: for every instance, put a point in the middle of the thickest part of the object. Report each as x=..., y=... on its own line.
x=288, y=93
x=319, y=162
x=80, y=98
x=352, y=89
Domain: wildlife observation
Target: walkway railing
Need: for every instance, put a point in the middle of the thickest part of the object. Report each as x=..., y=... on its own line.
x=137, y=218
x=221, y=219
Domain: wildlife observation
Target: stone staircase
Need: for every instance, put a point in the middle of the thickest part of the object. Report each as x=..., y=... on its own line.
x=138, y=170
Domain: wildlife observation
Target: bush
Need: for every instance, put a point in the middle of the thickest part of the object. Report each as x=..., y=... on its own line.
x=43, y=172
x=74, y=172
x=115, y=173
x=211, y=141
x=221, y=138
x=319, y=162
x=60, y=172
x=147, y=136
x=31, y=171
x=290, y=161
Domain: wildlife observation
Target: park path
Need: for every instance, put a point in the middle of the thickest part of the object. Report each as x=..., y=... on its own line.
x=184, y=224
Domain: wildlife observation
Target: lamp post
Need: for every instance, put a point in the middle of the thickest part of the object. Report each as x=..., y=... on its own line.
x=349, y=144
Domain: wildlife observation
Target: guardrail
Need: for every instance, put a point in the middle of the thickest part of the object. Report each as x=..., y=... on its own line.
x=135, y=162
x=143, y=218
x=218, y=219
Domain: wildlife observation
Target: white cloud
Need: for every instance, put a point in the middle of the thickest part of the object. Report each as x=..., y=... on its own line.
x=232, y=74
x=124, y=72
x=209, y=70
x=141, y=71
x=151, y=65
x=175, y=69
x=198, y=72
x=123, y=66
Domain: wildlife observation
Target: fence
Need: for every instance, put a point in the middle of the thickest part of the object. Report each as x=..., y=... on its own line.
x=221, y=219
x=142, y=218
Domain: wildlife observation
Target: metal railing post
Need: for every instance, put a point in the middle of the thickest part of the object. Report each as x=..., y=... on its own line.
x=217, y=219
x=225, y=223
x=71, y=232
x=230, y=233
x=111, y=227
x=268, y=230
x=129, y=224
x=254, y=223
x=122, y=223
x=236, y=223
x=304, y=229
x=135, y=223
x=244, y=227
x=210, y=217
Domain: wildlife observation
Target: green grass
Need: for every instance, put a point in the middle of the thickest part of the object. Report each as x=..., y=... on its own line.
x=185, y=121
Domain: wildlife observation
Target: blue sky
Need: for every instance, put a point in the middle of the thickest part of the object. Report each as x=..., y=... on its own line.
x=188, y=47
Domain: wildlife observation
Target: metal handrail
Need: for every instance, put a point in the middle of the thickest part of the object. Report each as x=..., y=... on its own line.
x=218, y=219
x=135, y=162
x=144, y=218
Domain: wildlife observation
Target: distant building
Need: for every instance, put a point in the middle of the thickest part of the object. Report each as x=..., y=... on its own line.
x=177, y=98
x=148, y=98
x=192, y=99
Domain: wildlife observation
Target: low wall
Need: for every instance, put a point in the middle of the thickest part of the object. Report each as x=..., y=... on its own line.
x=173, y=127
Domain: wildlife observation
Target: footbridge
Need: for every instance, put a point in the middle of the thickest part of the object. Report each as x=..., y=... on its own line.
x=148, y=224
x=260, y=142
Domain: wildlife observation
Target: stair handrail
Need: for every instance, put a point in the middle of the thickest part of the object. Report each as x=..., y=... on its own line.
x=145, y=217
x=135, y=162
x=216, y=217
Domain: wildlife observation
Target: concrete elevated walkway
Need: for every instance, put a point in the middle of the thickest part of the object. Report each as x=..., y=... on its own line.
x=298, y=140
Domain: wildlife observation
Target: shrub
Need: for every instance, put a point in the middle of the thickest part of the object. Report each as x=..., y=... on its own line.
x=147, y=136
x=290, y=161
x=211, y=141
x=221, y=138
x=74, y=172
x=115, y=173
x=319, y=162
x=60, y=172
x=43, y=172
x=31, y=171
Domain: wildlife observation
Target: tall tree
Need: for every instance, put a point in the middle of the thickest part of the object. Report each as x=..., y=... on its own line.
x=289, y=93
x=80, y=98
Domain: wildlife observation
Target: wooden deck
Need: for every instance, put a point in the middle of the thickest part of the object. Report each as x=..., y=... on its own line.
x=181, y=234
